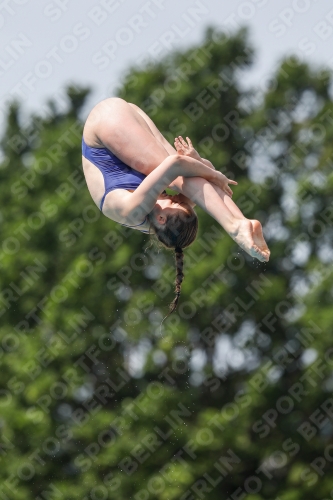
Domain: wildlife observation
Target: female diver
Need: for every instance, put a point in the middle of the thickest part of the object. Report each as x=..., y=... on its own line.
x=128, y=164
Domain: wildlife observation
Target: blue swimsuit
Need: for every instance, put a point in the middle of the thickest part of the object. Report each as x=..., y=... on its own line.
x=116, y=174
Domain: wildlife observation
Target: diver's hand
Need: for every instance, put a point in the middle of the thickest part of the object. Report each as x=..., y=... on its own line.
x=222, y=182
x=186, y=148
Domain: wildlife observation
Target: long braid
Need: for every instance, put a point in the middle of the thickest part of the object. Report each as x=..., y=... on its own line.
x=178, y=232
x=179, y=258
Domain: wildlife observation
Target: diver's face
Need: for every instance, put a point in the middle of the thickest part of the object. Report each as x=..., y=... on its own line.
x=169, y=203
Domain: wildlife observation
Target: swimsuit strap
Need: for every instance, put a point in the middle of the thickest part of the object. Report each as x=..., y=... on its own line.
x=137, y=225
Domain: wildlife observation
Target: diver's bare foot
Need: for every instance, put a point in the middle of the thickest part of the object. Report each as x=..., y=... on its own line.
x=259, y=239
x=247, y=236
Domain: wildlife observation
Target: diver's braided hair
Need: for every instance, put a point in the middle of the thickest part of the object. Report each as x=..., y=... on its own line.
x=179, y=258
x=177, y=233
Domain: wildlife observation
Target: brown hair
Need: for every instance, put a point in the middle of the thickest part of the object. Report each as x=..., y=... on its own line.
x=178, y=232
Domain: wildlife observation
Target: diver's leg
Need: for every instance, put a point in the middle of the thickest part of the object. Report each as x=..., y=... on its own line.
x=159, y=136
x=116, y=125
x=247, y=233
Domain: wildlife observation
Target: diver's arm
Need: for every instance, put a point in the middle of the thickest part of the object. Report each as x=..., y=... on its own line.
x=143, y=199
